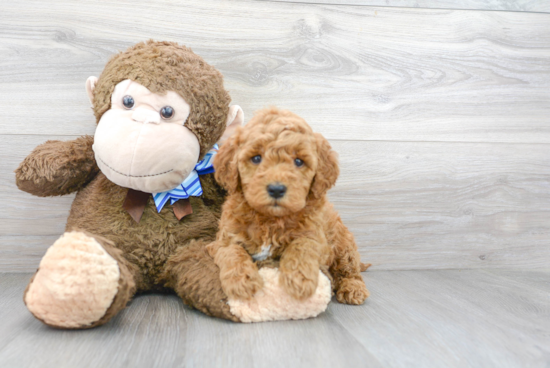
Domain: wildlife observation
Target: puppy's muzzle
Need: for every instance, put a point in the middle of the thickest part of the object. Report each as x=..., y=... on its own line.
x=276, y=190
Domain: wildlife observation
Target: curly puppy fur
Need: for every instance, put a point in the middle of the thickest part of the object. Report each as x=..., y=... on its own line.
x=301, y=228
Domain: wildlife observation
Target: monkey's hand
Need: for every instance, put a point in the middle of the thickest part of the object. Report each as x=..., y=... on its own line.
x=57, y=168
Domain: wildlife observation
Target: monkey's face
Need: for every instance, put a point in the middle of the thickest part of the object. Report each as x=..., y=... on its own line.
x=141, y=141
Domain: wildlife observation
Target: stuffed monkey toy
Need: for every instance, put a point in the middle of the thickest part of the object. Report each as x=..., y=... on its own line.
x=147, y=203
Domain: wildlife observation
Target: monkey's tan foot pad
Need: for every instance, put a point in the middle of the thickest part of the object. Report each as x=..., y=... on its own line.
x=272, y=303
x=75, y=284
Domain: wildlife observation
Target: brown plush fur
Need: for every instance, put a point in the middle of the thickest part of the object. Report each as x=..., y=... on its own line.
x=58, y=168
x=159, y=251
x=155, y=65
x=302, y=228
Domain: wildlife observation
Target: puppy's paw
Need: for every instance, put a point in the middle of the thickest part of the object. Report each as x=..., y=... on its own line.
x=300, y=285
x=273, y=303
x=212, y=249
x=242, y=285
x=352, y=291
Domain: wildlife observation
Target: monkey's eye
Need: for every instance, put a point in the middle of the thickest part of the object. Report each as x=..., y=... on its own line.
x=256, y=159
x=167, y=112
x=298, y=162
x=128, y=102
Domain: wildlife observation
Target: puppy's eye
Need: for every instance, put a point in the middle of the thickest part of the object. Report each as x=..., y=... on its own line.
x=256, y=159
x=167, y=112
x=298, y=162
x=128, y=102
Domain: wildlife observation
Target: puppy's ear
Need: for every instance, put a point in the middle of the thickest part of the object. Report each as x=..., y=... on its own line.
x=327, y=168
x=225, y=163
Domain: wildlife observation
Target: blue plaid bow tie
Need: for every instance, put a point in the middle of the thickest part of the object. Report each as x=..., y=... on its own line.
x=191, y=186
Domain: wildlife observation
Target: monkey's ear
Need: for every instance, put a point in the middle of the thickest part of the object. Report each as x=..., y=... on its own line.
x=90, y=85
x=235, y=119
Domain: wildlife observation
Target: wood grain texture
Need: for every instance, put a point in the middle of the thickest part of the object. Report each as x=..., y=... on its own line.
x=441, y=119
x=399, y=101
x=441, y=205
x=354, y=72
x=411, y=205
x=541, y=6
x=440, y=318
x=454, y=318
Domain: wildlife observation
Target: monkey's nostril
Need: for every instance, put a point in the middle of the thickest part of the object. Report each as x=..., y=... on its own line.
x=276, y=190
x=146, y=116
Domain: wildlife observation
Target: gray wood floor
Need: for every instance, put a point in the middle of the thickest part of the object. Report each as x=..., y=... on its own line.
x=437, y=318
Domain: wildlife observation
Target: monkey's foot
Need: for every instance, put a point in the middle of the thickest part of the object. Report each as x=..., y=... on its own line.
x=75, y=284
x=273, y=303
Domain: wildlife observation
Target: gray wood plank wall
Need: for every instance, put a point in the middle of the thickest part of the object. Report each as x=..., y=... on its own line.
x=541, y=6
x=441, y=117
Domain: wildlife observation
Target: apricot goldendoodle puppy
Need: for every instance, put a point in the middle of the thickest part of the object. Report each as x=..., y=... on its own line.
x=277, y=172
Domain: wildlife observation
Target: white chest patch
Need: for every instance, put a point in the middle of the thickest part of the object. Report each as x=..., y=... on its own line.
x=264, y=252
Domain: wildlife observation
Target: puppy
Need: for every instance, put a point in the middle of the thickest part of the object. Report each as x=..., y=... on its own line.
x=277, y=172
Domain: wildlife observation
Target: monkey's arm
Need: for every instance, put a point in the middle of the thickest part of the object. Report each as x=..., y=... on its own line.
x=57, y=168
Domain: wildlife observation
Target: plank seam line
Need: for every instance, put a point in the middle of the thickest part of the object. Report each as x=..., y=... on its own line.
x=407, y=141
x=53, y=136
x=402, y=7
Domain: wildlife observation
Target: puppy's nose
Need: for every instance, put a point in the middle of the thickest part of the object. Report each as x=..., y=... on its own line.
x=276, y=190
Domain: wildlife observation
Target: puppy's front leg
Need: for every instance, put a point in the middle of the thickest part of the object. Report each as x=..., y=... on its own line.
x=299, y=268
x=238, y=274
